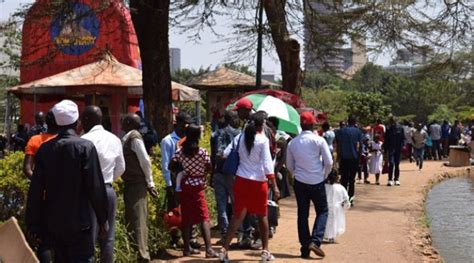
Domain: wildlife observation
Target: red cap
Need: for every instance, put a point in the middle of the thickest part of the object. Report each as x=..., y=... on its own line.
x=243, y=103
x=307, y=118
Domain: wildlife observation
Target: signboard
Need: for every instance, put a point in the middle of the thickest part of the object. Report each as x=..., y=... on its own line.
x=75, y=29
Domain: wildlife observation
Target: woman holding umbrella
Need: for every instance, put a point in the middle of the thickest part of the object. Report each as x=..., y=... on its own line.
x=251, y=187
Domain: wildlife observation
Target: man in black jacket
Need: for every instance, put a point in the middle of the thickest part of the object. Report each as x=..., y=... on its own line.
x=66, y=185
x=394, y=141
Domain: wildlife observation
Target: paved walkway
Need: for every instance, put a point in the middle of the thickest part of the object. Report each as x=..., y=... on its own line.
x=379, y=226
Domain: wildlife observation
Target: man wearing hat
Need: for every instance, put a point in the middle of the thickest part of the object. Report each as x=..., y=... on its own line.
x=66, y=189
x=244, y=108
x=304, y=156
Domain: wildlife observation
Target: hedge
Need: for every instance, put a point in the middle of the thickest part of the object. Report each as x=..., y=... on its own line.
x=14, y=188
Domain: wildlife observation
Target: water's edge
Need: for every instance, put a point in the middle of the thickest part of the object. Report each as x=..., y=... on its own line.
x=423, y=239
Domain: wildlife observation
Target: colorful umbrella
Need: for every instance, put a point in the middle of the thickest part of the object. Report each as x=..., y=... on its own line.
x=274, y=107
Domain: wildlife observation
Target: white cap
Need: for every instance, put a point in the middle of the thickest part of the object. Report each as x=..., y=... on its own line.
x=65, y=113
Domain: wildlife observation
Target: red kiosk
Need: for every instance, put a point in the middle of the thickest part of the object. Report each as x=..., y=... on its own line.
x=75, y=34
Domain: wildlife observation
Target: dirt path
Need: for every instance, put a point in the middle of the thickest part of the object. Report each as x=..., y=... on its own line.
x=379, y=226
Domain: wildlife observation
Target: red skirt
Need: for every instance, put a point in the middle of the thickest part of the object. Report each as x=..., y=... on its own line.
x=251, y=195
x=193, y=205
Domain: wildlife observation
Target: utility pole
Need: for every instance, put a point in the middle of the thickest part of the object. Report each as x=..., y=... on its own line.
x=258, y=81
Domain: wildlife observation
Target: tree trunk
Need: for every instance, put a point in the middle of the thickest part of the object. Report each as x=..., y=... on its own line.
x=288, y=49
x=150, y=18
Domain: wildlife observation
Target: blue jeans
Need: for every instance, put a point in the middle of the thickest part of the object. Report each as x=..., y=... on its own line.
x=107, y=244
x=223, y=192
x=306, y=193
x=437, y=153
x=419, y=156
x=394, y=165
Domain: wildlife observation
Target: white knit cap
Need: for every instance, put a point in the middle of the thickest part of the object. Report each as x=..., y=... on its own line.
x=65, y=113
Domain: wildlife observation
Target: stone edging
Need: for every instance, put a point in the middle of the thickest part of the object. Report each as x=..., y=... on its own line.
x=421, y=235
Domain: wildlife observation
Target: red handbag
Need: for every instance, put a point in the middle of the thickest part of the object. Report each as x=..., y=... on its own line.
x=173, y=218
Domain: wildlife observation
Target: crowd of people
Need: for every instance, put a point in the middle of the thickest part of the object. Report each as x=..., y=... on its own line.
x=71, y=202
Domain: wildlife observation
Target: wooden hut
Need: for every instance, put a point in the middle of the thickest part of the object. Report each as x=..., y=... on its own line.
x=223, y=84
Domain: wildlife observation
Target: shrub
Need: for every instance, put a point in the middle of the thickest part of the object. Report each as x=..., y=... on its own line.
x=14, y=189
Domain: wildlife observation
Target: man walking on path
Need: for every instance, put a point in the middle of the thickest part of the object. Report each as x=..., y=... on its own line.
x=419, y=137
x=445, y=137
x=349, y=140
x=66, y=189
x=137, y=180
x=394, y=141
x=112, y=163
x=435, y=132
x=309, y=159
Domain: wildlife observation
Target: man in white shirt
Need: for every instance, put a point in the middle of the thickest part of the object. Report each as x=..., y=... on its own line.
x=112, y=163
x=137, y=180
x=310, y=161
x=435, y=132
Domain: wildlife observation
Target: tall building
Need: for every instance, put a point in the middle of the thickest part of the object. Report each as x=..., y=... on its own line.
x=345, y=62
x=333, y=59
x=407, y=62
x=175, y=59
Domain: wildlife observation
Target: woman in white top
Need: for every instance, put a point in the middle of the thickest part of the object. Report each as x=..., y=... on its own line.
x=251, y=183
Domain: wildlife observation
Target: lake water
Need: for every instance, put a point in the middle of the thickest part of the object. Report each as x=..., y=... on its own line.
x=450, y=208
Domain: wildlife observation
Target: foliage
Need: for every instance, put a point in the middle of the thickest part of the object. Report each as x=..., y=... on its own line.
x=441, y=113
x=367, y=107
x=331, y=100
x=318, y=80
x=14, y=187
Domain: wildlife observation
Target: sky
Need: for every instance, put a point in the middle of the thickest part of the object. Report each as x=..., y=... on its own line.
x=195, y=55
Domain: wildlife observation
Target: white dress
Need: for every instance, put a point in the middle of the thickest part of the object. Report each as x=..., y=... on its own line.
x=338, y=200
x=376, y=160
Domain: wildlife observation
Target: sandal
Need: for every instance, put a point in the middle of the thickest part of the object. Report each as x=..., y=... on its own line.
x=267, y=256
x=223, y=257
x=211, y=253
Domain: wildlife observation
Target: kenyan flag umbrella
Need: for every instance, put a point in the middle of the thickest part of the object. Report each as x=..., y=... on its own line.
x=288, y=116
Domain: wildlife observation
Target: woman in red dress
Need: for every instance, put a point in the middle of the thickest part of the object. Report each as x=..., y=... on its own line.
x=251, y=183
x=196, y=164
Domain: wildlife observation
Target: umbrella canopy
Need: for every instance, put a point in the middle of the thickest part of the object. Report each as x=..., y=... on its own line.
x=179, y=91
x=274, y=107
x=292, y=99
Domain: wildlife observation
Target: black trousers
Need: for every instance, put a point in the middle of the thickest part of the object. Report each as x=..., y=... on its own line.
x=349, y=169
x=74, y=248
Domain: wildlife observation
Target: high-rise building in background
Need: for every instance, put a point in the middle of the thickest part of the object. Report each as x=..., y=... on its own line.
x=333, y=59
x=407, y=62
x=175, y=59
x=343, y=61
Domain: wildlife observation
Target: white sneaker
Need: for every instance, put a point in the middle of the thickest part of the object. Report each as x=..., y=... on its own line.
x=390, y=183
x=267, y=256
x=397, y=183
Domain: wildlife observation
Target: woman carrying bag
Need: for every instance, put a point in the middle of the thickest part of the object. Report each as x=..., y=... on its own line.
x=255, y=169
x=196, y=164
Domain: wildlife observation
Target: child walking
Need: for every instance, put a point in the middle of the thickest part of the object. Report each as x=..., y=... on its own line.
x=376, y=160
x=338, y=200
